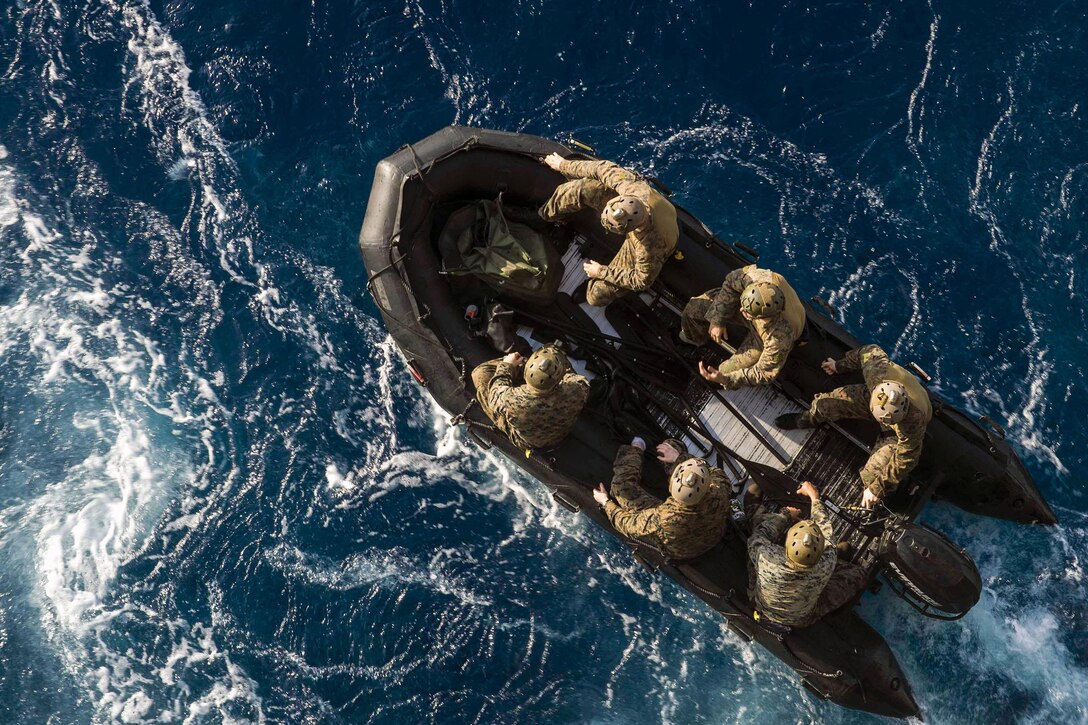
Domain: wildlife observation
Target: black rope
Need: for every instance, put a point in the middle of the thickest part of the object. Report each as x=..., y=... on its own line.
x=416, y=161
x=809, y=669
x=396, y=261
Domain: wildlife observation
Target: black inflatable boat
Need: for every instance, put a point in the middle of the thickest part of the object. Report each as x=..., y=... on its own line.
x=417, y=205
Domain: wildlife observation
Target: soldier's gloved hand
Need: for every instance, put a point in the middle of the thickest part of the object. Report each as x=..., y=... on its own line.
x=638, y=443
x=600, y=495
x=553, y=160
x=868, y=500
x=793, y=512
x=513, y=358
x=829, y=366
x=717, y=334
x=712, y=374
x=666, y=453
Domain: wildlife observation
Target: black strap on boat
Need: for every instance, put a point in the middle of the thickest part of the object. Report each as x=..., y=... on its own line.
x=416, y=161
x=808, y=668
x=471, y=426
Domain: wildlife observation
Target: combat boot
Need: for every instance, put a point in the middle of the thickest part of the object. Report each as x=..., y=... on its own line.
x=792, y=421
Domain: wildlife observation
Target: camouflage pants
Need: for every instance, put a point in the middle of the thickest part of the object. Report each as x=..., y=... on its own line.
x=852, y=401
x=630, y=495
x=847, y=581
x=481, y=379
x=849, y=401
x=695, y=330
x=600, y=293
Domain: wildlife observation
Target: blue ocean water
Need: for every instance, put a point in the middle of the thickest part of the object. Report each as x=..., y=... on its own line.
x=223, y=500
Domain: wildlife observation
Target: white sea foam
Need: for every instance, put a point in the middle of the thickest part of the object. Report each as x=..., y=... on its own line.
x=916, y=109
x=1023, y=415
x=99, y=514
x=393, y=569
x=83, y=358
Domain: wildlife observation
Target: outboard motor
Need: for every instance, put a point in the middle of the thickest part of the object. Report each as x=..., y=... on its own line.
x=928, y=571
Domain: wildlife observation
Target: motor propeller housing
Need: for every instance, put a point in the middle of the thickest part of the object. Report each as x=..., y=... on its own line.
x=929, y=571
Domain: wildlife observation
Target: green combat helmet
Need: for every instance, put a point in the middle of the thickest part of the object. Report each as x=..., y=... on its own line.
x=624, y=213
x=889, y=402
x=545, y=369
x=762, y=299
x=689, y=481
x=804, y=544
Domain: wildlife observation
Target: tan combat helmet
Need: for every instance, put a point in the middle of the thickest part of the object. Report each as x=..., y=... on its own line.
x=623, y=213
x=545, y=369
x=762, y=299
x=804, y=544
x=690, y=481
x=889, y=402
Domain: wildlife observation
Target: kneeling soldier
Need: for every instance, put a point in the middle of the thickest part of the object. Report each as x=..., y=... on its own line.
x=762, y=301
x=628, y=206
x=540, y=412
x=690, y=522
x=798, y=583
x=891, y=396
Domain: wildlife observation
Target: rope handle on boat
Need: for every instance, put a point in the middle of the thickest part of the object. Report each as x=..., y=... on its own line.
x=809, y=669
x=462, y=417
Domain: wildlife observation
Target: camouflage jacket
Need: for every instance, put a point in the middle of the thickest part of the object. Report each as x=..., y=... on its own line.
x=785, y=593
x=679, y=530
x=644, y=251
x=882, y=474
x=532, y=419
x=776, y=334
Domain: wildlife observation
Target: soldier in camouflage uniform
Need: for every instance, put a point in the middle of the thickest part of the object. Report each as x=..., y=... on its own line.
x=766, y=305
x=628, y=206
x=690, y=522
x=891, y=396
x=798, y=583
x=540, y=412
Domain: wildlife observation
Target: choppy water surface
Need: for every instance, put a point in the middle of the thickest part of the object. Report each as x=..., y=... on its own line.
x=221, y=498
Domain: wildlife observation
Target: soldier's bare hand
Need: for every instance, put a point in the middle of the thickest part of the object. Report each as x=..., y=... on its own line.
x=807, y=489
x=666, y=453
x=600, y=495
x=829, y=366
x=717, y=334
x=712, y=374
x=553, y=161
x=868, y=499
x=513, y=358
x=593, y=269
x=793, y=512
